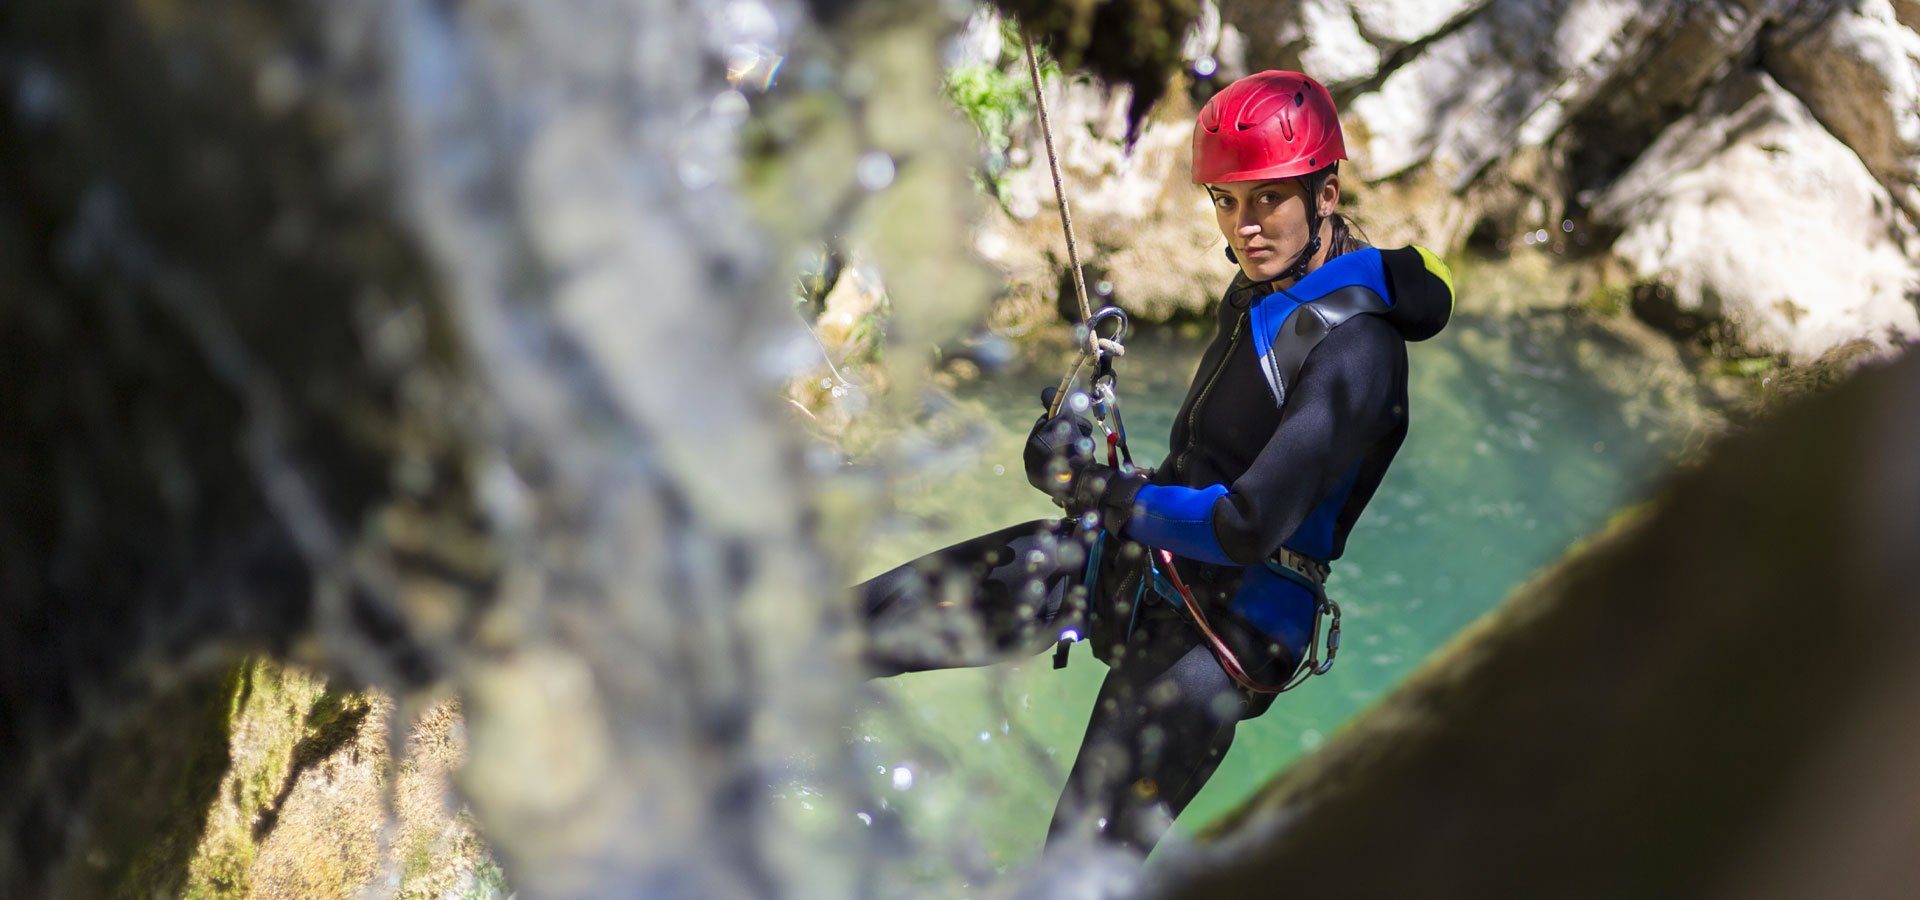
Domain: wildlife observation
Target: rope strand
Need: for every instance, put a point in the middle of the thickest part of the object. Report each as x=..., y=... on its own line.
x=1094, y=341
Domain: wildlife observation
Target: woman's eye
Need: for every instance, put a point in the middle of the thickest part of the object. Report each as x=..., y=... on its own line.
x=1223, y=202
x=1270, y=198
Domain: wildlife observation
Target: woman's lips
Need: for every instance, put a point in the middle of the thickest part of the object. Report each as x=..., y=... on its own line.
x=1257, y=251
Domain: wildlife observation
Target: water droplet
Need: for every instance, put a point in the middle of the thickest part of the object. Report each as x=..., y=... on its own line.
x=874, y=171
x=730, y=104
x=1566, y=225
x=1205, y=66
x=999, y=469
x=902, y=778
x=1540, y=236
x=1079, y=401
x=1311, y=738
x=694, y=176
x=985, y=737
x=865, y=818
x=1103, y=287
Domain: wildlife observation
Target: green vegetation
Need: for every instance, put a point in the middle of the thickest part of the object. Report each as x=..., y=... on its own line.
x=270, y=782
x=1749, y=367
x=268, y=716
x=995, y=96
x=1607, y=300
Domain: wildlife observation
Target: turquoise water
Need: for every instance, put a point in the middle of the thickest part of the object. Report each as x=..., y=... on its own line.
x=1528, y=430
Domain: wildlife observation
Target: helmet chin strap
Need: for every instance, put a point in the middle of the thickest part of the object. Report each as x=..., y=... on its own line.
x=1298, y=267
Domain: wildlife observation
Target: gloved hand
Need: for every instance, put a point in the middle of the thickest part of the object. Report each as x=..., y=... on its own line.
x=1060, y=460
x=1058, y=448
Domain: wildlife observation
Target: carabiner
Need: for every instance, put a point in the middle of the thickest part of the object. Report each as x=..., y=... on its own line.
x=1333, y=641
x=1120, y=330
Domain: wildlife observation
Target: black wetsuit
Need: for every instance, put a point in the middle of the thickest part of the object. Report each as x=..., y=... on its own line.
x=1167, y=710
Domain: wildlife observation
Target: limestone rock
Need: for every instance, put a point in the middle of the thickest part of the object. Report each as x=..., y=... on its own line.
x=1317, y=36
x=1136, y=216
x=1859, y=73
x=1750, y=210
x=1390, y=24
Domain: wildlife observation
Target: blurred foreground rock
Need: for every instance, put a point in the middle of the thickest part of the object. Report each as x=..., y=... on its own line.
x=434, y=346
x=1714, y=699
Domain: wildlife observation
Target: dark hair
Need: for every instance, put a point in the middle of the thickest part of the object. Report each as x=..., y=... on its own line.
x=1341, y=237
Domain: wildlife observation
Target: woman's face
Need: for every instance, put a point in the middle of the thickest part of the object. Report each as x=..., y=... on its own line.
x=1265, y=222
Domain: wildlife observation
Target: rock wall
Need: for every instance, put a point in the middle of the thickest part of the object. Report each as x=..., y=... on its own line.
x=1675, y=144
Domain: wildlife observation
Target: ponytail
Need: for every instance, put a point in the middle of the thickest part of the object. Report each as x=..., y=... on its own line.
x=1341, y=238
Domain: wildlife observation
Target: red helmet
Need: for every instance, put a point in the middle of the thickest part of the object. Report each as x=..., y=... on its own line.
x=1269, y=125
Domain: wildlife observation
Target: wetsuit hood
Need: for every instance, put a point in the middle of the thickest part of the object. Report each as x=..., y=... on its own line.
x=1422, y=288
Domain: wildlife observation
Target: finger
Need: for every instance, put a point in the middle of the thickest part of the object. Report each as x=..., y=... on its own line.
x=1046, y=396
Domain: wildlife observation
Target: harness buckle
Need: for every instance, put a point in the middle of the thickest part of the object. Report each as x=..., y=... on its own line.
x=1308, y=569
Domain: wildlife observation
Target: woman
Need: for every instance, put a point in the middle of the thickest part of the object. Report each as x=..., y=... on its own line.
x=1298, y=407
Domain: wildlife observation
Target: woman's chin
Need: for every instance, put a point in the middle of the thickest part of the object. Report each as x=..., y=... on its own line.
x=1264, y=267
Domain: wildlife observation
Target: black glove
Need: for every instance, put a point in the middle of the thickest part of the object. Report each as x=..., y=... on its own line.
x=1098, y=487
x=1057, y=448
x=1060, y=462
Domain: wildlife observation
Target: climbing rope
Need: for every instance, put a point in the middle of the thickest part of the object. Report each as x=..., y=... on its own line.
x=1096, y=345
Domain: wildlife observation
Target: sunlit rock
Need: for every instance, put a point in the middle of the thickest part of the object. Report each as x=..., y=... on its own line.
x=1750, y=210
x=1858, y=72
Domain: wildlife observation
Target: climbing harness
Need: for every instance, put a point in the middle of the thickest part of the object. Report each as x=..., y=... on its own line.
x=1312, y=665
x=1099, y=351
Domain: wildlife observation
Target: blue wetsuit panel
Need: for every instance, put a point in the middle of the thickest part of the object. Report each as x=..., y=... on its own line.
x=1180, y=520
x=1279, y=606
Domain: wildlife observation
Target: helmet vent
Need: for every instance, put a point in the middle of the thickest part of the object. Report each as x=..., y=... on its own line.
x=1299, y=98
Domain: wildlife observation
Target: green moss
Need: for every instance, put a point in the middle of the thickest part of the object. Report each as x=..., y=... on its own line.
x=490, y=883
x=1607, y=300
x=271, y=712
x=866, y=340
x=1749, y=367
x=418, y=862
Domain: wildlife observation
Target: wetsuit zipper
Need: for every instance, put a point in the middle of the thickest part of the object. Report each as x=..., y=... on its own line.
x=1193, y=416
